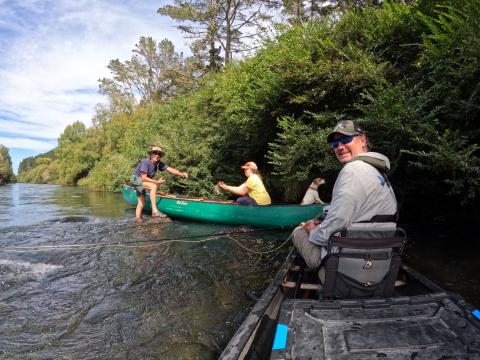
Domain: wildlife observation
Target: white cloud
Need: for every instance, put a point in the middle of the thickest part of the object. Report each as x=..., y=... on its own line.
x=53, y=53
x=27, y=143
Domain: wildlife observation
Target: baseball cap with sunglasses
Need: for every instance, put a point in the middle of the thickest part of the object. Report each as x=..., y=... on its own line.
x=345, y=127
x=345, y=139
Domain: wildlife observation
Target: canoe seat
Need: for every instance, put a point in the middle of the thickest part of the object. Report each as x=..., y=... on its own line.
x=362, y=263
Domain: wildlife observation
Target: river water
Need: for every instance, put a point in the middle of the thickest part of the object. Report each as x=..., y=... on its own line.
x=80, y=279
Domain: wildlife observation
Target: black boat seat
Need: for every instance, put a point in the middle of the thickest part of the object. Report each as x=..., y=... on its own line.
x=362, y=263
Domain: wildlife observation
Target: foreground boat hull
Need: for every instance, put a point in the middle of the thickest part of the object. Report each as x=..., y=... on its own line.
x=421, y=321
x=226, y=212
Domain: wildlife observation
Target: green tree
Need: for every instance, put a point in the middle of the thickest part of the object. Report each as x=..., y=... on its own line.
x=408, y=73
x=451, y=89
x=299, y=12
x=228, y=23
x=204, y=34
x=28, y=168
x=77, y=152
x=6, y=172
x=154, y=73
x=43, y=161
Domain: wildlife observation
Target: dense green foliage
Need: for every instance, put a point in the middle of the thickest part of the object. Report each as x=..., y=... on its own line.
x=6, y=172
x=39, y=169
x=408, y=73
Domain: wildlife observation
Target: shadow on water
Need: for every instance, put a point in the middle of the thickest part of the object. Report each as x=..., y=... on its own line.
x=70, y=219
x=447, y=253
x=113, y=289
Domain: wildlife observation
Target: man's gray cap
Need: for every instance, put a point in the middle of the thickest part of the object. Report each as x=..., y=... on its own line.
x=346, y=127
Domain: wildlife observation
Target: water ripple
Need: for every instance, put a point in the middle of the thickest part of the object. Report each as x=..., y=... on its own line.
x=159, y=299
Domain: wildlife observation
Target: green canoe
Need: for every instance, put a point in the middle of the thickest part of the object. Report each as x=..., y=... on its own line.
x=227, y=212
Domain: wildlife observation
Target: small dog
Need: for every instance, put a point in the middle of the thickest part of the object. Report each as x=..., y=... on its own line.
x=311, y=196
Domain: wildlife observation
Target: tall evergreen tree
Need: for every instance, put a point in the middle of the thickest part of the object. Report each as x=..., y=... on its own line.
x=216, y=25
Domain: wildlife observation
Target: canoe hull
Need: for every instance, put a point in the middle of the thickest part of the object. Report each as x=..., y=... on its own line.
x=260, y=216
x=197, y=209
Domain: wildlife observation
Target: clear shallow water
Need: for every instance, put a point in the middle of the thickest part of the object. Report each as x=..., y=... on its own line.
x=108, y=288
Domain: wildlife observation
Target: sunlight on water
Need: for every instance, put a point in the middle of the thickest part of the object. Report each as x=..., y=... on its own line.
x=28, y=204
x=21, y=268
x=83, y=280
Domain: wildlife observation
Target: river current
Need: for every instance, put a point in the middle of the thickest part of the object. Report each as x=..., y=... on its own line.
x=80, y=279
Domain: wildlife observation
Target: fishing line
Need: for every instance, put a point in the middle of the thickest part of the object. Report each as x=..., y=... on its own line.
x=96, y=246
x=256, y=252
x=137, y=241
x=152, y=242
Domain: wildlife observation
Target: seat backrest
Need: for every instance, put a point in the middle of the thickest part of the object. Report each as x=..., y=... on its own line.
x=363, y=263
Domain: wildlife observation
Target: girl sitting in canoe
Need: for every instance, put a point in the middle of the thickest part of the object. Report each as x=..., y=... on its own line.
x=252, y=191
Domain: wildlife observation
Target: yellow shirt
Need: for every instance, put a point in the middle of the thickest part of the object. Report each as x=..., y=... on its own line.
x=257, y=190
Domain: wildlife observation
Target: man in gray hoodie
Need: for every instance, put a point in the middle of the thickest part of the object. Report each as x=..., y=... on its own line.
x=362, y=196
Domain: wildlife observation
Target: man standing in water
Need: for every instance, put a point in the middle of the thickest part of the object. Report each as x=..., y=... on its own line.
x=143, y=179
x=362, y=195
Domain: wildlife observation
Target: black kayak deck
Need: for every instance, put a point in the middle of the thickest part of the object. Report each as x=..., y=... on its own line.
x=421, y=321
x=437, y=326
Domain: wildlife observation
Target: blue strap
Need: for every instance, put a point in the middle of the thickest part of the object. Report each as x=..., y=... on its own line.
x=280, y=340
x=476, y=313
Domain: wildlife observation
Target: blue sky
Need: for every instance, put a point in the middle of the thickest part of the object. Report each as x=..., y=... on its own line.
x=52, y=54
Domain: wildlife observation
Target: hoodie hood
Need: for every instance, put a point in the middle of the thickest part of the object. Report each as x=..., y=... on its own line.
x=375, y=159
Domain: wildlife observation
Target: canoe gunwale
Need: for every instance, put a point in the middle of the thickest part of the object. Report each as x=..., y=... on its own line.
x=246, y=331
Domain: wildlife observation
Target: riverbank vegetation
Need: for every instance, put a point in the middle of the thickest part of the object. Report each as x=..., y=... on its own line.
x=408, y=73
x=6, y=172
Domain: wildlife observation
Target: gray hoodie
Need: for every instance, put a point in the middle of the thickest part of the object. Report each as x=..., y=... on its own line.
x=360, y=193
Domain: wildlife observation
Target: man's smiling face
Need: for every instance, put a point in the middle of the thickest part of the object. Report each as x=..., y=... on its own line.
x=346, y=147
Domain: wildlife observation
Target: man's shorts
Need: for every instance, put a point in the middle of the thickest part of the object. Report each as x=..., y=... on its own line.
x=310, y=252
x=136, y=182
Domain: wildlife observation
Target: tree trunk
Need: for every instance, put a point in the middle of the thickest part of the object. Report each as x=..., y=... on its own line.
x=343, y=5
x=212, y=31
x=228, y=34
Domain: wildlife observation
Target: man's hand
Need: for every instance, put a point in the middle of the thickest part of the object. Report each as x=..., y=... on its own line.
x=309, y=225
x=161, y=181
x=184, y=175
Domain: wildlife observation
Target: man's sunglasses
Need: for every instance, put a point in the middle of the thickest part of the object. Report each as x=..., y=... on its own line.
x=156, y=153
x=345, y=139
